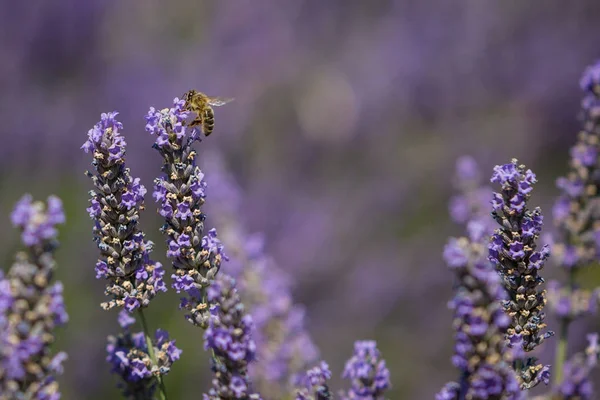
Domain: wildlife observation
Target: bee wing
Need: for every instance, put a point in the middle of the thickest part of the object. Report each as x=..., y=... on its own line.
x=219, y=101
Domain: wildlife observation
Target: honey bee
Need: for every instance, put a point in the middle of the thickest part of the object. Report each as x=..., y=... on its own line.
x=202, y=105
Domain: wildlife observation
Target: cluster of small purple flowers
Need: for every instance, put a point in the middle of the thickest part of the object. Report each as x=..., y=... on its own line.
x=577, y=217
x=284, y=349
x=513, y=251
x=366, y=370
x=516, y=288
x=314, y=384
x=181, y=193
x=480, y=323
x=128, y=355
x=229, y=337
x=31, y=306
x=254, y=332
x=133, y=278
x=212, y=301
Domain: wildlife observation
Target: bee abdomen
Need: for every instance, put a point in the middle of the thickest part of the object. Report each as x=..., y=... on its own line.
x=209, y=121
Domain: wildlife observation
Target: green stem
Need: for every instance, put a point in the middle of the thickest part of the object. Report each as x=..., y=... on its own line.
x=561, y=351
x=161, y=383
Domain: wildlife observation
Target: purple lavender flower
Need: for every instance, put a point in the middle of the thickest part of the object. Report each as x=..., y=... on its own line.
x=369, y=376
x=314, y=384
x=133, y=278
x=284, y=347
x=130, y=359
x=577, y=210
x=229, y=338
x=450, y=391
x=577, y=216
x=577, y=383
x=180, y=193
x=512, y=250
x=481, y=352
x=31, y=307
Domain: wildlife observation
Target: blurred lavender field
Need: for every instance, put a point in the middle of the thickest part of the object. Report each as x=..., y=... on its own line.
x=347, y=122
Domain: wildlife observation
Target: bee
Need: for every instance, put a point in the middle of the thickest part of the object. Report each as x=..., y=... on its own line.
x=202, y=105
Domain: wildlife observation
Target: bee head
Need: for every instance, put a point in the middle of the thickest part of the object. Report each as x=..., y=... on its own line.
x=189, y=95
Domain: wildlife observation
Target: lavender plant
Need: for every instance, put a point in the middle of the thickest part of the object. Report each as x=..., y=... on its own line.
x=229, y=338
x=513, y=251
x=284, y=348
x=262, y=346
x=181, y=192
x=481, y=353
x=134, y=279
x=577, y=217
x=31, y=306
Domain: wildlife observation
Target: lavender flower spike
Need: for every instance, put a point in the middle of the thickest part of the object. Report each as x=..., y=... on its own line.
x=129, y=357
x=133, y=278
x=512, y=250
x=480, y=324
x=228, y=336
x=284, y=346
x=315, y=384
x=577, y=210
x=577, y=216
x=180, y=192
x=31, y=307
x=369, y=376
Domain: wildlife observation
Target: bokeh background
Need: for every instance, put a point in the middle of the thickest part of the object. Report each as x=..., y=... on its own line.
x=348, y=119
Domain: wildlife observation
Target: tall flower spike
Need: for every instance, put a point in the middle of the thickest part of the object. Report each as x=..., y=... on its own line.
x=284, y=348
x=31, y=307
x=130, y=360
x=180, y=192
x=577, y=215
x=228, y=337
x=315, y=384
x=480, y=324
x=577, y=210
x=512, y=250
x=368, y=375
x=133, y=278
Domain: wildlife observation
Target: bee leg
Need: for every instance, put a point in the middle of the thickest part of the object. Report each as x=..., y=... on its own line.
x=196, y=122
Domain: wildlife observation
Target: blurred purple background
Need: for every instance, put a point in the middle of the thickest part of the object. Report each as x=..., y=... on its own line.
x=348, y=118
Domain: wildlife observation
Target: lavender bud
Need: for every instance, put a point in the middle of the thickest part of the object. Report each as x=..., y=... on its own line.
x=133, y=278
x=512, y=250
x=31, y=307
x=181, y=192
x=367, y=372
x=229, y=338
x=315, y=384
